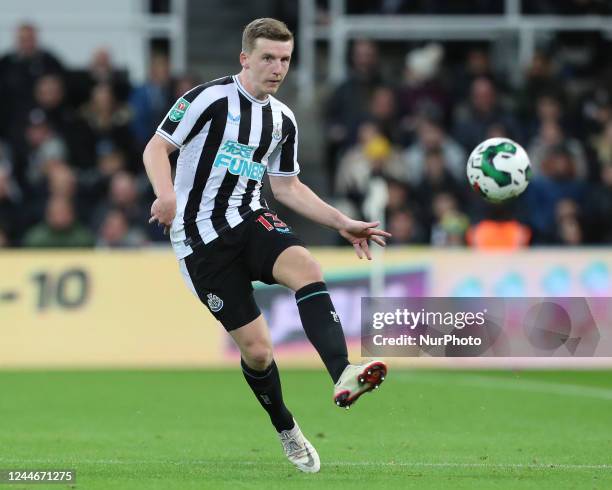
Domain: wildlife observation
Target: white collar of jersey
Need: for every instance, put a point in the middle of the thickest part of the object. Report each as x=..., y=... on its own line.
x=244, y=92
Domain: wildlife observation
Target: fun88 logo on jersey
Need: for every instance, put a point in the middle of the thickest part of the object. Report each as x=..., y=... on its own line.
x=237, y=158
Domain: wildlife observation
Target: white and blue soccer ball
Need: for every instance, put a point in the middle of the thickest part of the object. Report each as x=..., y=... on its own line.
x=499, y=169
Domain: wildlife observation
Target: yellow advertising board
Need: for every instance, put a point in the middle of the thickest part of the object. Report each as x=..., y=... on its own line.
x=119, y=309
x=101, y=308
x=131, y=309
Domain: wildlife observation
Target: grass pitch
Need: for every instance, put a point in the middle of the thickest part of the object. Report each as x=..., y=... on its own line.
x=204, y=429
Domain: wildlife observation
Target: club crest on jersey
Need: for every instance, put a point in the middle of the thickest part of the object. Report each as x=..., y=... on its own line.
x=238, y=159
x=277, y=132
x=214, y=302
x=178, y=111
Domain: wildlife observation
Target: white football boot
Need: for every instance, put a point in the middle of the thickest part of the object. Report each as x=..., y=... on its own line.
x=299, y=450
x=357, y=379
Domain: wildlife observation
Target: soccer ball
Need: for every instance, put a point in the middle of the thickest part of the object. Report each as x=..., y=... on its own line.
x=499, y=169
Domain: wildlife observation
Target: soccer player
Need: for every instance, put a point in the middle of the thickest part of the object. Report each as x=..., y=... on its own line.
x=231, y=131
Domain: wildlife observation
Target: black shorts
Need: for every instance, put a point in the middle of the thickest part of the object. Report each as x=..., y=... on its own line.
x=220, y=272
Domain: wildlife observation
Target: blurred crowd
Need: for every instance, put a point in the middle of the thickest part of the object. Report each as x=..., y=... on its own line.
x=414, y=134
x=71, y=171
x=71, y=142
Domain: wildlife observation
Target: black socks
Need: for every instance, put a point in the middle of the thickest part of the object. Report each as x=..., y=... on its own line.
x=267, y=388
x=323, y=327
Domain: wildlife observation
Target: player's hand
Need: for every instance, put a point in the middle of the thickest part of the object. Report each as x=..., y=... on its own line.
x=359, y=232
x=163, y=211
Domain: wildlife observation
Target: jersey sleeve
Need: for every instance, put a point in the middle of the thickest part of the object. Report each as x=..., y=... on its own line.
x=283, y=160
x=183, y=117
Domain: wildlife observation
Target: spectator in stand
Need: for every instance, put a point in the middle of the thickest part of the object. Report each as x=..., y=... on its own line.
x=570, y=230
x=548, y=109
x=399, y=195
x=349, y=101
x=421, y=91
x=108, y=124
x=110, y=163
x=449, y=224
x=557, y=181
x=540, y=79
x=101, y=70
x=550, y=136
x=42, y=144
x=477, y=65
x=123, y=195
x=471, y=122
x=383, y=112
x=373, y=156
x=570, y=233
x=431, y=136
x=499, y=230
x=19, y=71
x=150, y=101
x=404, y=228
x=60, y=228
x=49, y=97
x=596, y=107
x=436, y=179
x=51, y=116
x=491, y=234
x=61, y=180
x=115, y=232
x=94, y=184
x=57, y=179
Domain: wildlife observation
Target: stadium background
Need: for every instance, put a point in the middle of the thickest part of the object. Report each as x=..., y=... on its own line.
x=384, y=134
x=388, y=106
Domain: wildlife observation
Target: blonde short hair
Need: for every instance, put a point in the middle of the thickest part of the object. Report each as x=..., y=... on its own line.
x=266, y=28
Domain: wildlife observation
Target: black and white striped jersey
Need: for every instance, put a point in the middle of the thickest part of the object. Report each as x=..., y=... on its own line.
x=228, y=140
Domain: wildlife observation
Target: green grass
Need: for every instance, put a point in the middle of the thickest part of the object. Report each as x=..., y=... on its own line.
x=203, y=429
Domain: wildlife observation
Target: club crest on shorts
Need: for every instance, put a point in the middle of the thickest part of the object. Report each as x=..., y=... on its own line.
x=214, y=302
x=277, y=132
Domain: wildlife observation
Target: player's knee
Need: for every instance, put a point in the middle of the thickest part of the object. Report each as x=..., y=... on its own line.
x=310, y=271
x=314, y=271
x=297, y=268
x=258, y=356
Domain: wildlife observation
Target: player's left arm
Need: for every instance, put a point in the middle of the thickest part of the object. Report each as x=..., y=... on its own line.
x=291, y=192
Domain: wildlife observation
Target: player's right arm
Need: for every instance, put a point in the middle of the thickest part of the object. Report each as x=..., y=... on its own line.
x=174, y=131
x=187, y=117
x=157, y=165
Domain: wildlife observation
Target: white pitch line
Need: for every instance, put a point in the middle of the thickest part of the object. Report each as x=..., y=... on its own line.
x=402, y=464
x=505, y=383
